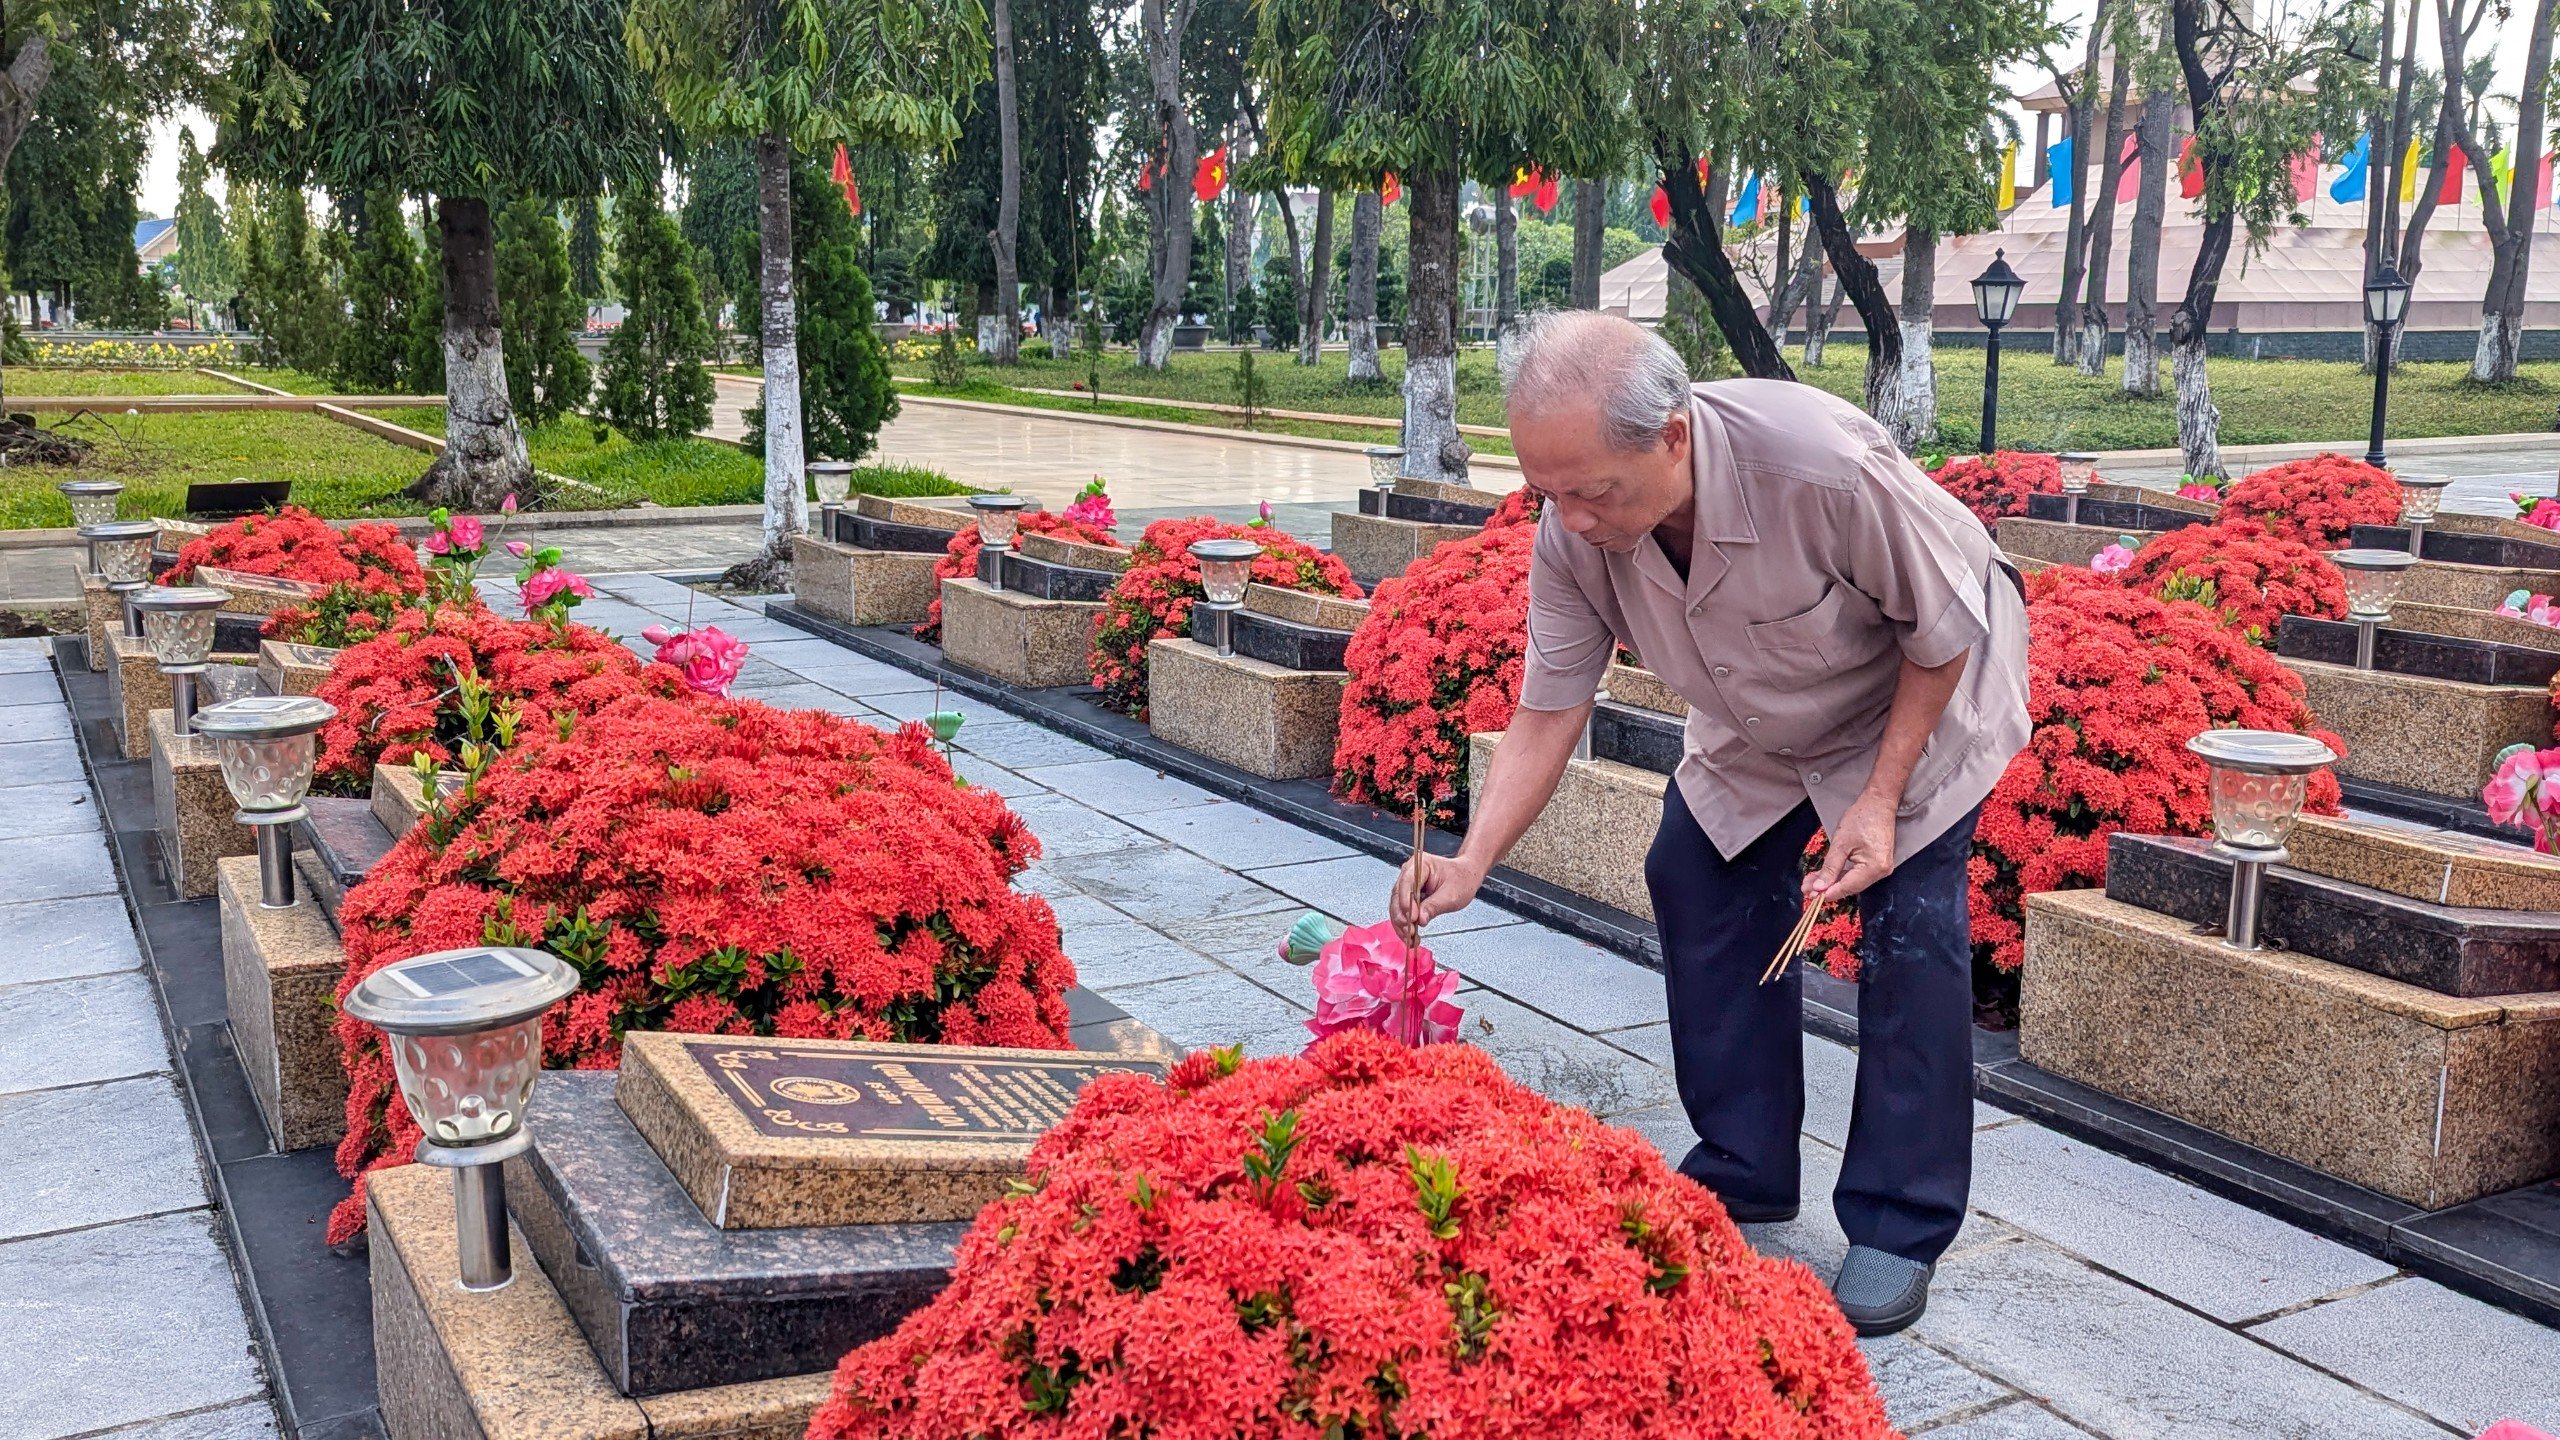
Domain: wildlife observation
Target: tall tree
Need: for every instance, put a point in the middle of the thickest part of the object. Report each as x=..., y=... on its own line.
x=2251, y=120
x=382, y=296
x=2509, y=218
x=586, y=249
x=845, y=394
x=547, y=377
x=655, y=386
x=475, y=102
x=1008, y=227
x=1360, y=293
x=2079, y=90
x=794, y=76
x=1439, y=92
x=1589, y=219
x=1162, y=26
x=205, y=272
x=70, y=208
x=2092, y=347
x=1314, y=303
x=287, y=293
x=2154, y=138
x=1506, y=263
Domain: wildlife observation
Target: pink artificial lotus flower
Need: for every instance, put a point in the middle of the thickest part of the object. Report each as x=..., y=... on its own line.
x=519, y=549
x=508, y=505
x=2115, y=558
x=1366, y=980
x=439, y=543
x=2206, y=493
x=1092, y=507
x=2539, y=510
x=710, y=658
x=2539, y=609
x=467, y=534
x=2526, y=791
x=546, y=588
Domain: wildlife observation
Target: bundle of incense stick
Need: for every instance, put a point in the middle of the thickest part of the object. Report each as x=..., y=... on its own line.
x=1795, y=942
x=1421, y=822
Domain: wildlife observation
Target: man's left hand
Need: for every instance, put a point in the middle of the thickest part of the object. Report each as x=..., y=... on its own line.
x=1860, y=852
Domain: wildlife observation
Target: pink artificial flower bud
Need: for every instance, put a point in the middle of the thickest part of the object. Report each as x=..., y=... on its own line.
x=508, y=505
x=438, y=543
x=519, y=549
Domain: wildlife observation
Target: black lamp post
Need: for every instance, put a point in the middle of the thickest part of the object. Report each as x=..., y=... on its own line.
x=1995, y=299
x=2386, y=303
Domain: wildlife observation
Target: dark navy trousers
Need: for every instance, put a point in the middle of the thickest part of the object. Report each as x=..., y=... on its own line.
x=1738, y=1045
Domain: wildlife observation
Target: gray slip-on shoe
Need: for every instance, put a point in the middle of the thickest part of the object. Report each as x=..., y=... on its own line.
x=1741, y=1212
x=1881, y=1293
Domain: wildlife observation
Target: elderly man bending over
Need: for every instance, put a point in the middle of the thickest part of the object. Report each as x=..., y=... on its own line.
x=1853, y=651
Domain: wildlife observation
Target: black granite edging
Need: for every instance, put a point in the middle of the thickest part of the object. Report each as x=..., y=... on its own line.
x=310, y=1309
x=2399, y=802
x=2500, y=1249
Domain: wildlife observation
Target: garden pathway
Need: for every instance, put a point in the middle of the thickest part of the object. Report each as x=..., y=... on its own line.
x=2088, y=1295
x=116, y=1292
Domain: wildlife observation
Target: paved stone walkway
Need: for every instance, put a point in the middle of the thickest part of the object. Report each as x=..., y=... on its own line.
x=2088, y=1295
x=116, y=1293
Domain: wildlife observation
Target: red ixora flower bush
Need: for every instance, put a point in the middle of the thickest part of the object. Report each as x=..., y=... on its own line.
x=960, y=560
x=1363, y=1241
x=398, y=693
x=1438, y=659
x=1998, y=484
x=2118, y=681
x=718, y=867
x=370, y=570
x=1153, y=599
x=2252, y=579
x=2316, y=501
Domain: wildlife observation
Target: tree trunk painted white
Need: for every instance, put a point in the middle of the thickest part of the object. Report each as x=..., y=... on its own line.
x=2199, y=422
x=1314, y=299
x=1589, y=214
x=1242, y=219
x=1432, y=447
x=1161, y=24
x=2089, y=347
x=1004, y=239
x=1916, y=416
x=484, y=457
x=1506, y=262
x=2502, y=304
x=1360, y=304
x=2495, y=358
x=785, y=511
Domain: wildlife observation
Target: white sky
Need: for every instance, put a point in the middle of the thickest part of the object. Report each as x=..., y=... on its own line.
x=160, y=171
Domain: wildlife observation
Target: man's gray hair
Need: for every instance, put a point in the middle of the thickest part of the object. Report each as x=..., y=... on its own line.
x=1568, y=357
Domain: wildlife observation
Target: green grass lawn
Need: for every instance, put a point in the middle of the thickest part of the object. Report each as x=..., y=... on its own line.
x=983, y=386
x=336, y=470
x=99, y=380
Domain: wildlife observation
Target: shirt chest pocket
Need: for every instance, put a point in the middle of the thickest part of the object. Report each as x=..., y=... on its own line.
x=1840, y=633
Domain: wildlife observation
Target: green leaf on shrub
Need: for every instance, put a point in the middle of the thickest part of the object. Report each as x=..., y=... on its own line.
x=1436, y=1191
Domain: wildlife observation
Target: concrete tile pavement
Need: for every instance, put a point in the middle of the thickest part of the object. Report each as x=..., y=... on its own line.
x=119, y=1299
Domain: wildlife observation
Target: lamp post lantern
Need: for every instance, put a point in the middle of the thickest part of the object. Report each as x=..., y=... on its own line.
x=2386, y=304
x=2373, y=582
x=999, y=516
x=1385, y=461
x=177, y=621
x=464, y=1028
x=1226, y=566
x=833, y=480
x=2421, y=496
x=93, y=502
x=268, y=745
x=2079, y=471
x=123, y=551
x=1995, y=300
x=2258, y=782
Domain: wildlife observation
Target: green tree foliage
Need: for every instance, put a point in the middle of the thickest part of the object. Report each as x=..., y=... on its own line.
x=586, y=249
x=286, y=291
x=205, y=271
x=1061, y=78
x=845, y=395
x=719, y=220
x=541, y=314
x=374, y=355
x=655, y=386
x=71, y=208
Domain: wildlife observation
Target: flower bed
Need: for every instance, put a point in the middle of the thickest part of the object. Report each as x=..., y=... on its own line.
x=399, y=695
x=2252, y=579
x=2316, y=501
x=1154, y=597
x=370, y=572
x=1998, y=484
x=718, y=867
x=1438, y=659
x=2117, y=681
x=1366, y=1241
x=960, y=560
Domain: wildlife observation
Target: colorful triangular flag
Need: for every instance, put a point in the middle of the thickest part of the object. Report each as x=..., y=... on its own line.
x=1209, y=179
x=1746, y=207
x=2009, y=176
x=2057, y=158
x=2351, y=182
x=2409, y=174
x=842, y=175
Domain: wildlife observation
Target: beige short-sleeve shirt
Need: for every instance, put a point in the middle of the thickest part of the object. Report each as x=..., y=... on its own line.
x=1821, y=558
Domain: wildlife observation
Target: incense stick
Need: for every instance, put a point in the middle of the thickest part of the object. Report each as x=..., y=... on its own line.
x=1795, y=942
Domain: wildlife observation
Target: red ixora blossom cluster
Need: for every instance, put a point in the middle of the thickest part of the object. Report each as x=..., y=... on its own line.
x=718, y=867
x=1363, y=1241
x=1154, y=597
x=2118, y=680
x=396, y=692
x=1998, y=484
x=2316, y=501
x=960, y=560
x=2250, y=578
x=1438, y=659
x=371, y=571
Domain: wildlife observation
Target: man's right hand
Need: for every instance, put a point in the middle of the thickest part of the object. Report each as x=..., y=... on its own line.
x=1448, y=883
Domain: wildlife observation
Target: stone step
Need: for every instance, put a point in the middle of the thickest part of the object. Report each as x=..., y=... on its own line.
x=2451, y=950
x=864, y=533
x=1593, y=836
x=1634, y=736
x=1048, y=580
x=2051, y=542
x=2457, y=547
x=1288, y=644
x=345, y=839
x=2418, y=652
x=1641, y=688
x=2444, y=866
x=1377, y=546
x=2148, y=514
x=2436, y=737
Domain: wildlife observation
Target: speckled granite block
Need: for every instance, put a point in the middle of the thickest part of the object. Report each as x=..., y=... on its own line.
x=2443, y=866
x=1262, y=719
x=672, y=1302
x=255, y=594
x=1035, y=644
x=194, y=809
x=139, y=687
x=290, y=669
x=1454, y=492
x=1644, y=690
x=398, y=799
x=280, y=970
x=104, y=609
x=2052, y=541
x=861, y=587
x=2429, y=1098
x=1075, y=554
x=949, y=515
x=2471, y=587
x=510, y=1364
x=174, y=534
x=774, y=1133
x=1376, y=547
x=2437, y=736
x=2486, y=625
x=1305, y=607
x=1592, y=837
x=344, y=842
